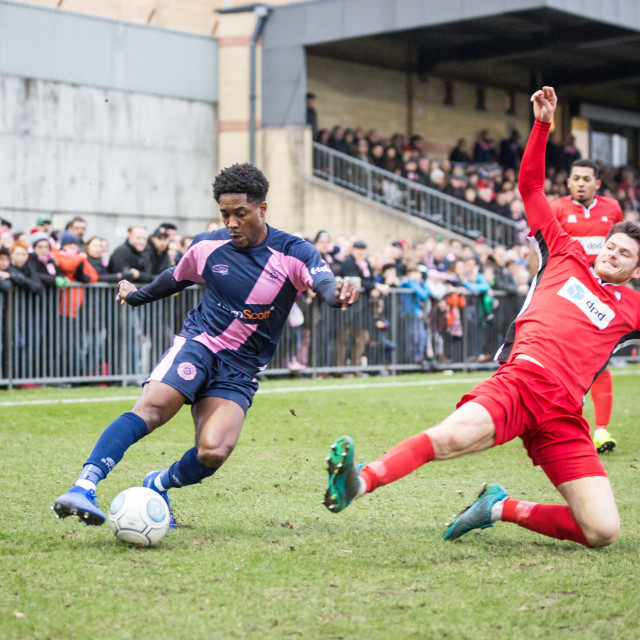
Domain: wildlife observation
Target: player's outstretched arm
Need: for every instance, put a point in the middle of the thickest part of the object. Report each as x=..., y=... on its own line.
x=163, y=286
x=532, y=170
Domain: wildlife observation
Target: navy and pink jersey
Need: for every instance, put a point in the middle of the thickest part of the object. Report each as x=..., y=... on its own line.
x=571, y=321
x=588, y=225
x=248, y=292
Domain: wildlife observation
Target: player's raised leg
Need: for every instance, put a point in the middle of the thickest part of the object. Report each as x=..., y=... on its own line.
x=468, y=430
x=157, y=404
x=218, y=425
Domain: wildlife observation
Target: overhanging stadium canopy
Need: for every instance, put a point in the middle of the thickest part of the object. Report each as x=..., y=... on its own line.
x=589, y=50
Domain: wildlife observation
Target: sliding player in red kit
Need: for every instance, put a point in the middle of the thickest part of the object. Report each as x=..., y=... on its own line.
x=572, y=319
x=588, y=219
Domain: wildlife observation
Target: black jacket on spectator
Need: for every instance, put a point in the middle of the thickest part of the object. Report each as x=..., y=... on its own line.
x=159, y=261
x=103, y=273
x=26, y=277
x=40, y=269
x=126, y=257
x=349, y=268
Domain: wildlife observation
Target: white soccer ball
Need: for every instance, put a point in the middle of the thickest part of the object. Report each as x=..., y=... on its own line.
x=139, y=516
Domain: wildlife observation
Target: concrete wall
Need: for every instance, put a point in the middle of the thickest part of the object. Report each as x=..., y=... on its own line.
x=112, y=157
x=354, y=95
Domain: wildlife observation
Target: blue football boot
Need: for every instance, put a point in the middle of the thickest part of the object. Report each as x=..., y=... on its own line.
x=478, y=515
x=148, y=482
x=343, y=480
x=79, y=502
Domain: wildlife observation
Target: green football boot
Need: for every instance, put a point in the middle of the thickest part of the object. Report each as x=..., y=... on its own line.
x=343, y=475
x=478, y=515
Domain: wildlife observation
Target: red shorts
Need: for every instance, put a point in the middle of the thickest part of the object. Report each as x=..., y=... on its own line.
x=525, y=400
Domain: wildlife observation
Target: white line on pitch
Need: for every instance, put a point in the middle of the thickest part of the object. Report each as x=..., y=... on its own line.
x=306, y=389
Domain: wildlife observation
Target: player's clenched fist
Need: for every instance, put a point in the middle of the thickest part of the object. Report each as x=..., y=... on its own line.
x=544, y=104
x=124, y=289
x=347, y=290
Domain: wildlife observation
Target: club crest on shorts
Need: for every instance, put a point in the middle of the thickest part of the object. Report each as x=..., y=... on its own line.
x=187, y=371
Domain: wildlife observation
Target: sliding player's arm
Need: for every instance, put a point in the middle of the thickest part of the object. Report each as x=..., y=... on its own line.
x=532, y=170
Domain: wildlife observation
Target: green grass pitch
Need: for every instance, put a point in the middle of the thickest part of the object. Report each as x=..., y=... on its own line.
x=258, y=556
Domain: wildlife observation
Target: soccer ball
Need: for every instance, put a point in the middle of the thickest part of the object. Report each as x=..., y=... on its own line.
x=139, y=516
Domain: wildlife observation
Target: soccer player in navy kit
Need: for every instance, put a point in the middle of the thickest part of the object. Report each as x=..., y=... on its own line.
x=572, y=320
x=251, y=274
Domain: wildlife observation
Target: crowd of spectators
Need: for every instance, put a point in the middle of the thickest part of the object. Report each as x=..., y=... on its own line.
x=443, y=281
x=483, y=173
x=43, y=257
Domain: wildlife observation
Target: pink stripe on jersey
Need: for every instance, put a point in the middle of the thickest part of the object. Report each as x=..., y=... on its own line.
x=165, y=364
x=270, y=282
x=192, y=263
x=272, y=279
x=232, y=338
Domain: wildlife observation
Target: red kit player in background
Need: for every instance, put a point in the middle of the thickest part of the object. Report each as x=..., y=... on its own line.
x=573, y=318
x=588, y=218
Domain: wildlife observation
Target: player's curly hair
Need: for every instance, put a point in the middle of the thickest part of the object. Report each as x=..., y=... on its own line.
x=241, y=178
x=629, y=228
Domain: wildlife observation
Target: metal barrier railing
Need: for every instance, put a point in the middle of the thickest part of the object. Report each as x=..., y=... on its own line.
x=80, y=335
x=411, y=197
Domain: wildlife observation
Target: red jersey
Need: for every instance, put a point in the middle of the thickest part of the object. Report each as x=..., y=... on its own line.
x=588, y=225
x=571, y=321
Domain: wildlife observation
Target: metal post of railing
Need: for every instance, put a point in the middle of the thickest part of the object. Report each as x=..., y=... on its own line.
x=394, y=318
x=314, y=341
x=10, y=329
x=465, y=336
x=124, y=342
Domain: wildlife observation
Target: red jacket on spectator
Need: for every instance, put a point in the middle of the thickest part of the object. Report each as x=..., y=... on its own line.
x=76, y=268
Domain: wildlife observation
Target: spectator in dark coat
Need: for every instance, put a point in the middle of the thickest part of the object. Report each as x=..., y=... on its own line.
x=130, y=258
x=460, y=152
x=484, y=151
x=511, y=151
x=43, y=263
x=95, y=255
x=157, y=250
x=336, y=140
x=312, y=114
x=357, y=265
x=22, y=270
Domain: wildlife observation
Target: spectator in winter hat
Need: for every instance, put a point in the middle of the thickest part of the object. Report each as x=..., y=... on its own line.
x=76, y=268
x=43, y=262
x=43, y=223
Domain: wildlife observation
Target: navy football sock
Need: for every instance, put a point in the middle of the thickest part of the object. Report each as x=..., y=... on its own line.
x=188, y=470
x=112, y=444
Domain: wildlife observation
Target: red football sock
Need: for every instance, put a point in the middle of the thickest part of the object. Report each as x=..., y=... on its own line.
x=602, y=396
x=399, y=461
x=553, y=520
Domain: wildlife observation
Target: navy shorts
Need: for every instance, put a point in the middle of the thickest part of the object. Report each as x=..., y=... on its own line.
x=196, y=372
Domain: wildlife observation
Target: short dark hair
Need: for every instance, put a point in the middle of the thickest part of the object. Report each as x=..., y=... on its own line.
x=5, y=252
x=629, y=228
x=74, y=220
x=241, y=178
x=588, y=164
